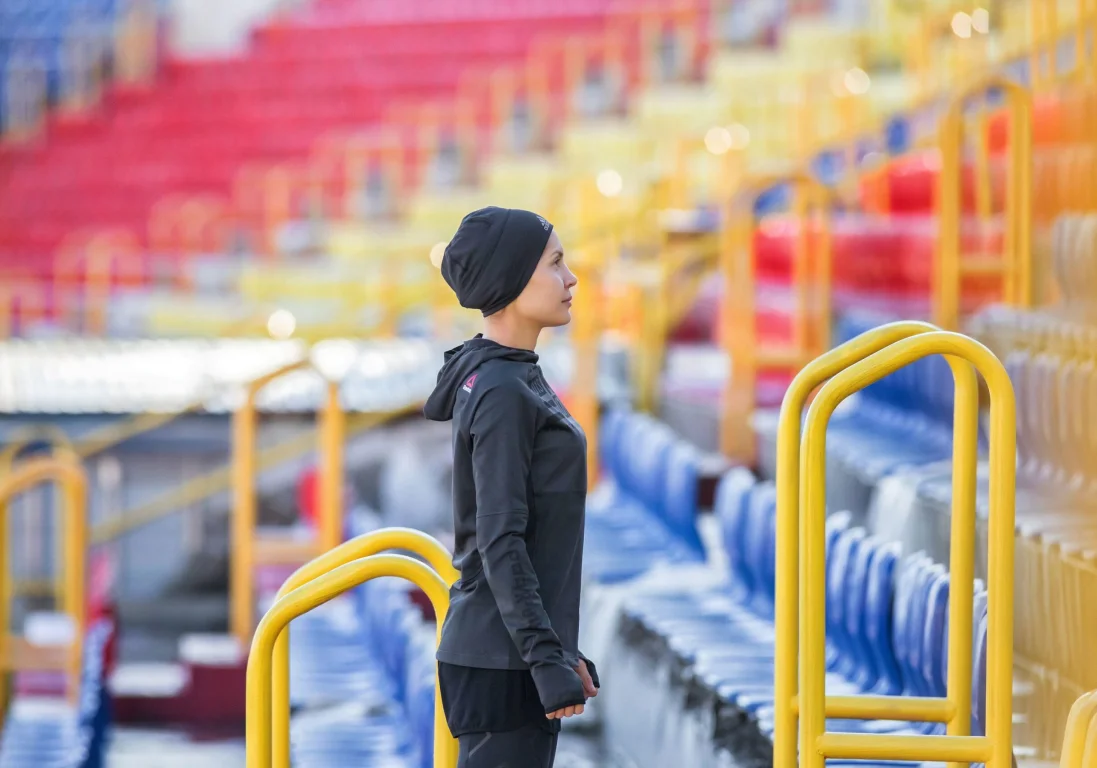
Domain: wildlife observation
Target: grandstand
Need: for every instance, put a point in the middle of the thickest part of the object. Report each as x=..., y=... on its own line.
x=221, y=311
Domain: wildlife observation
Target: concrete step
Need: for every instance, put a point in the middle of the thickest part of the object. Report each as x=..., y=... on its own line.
x=144, y=748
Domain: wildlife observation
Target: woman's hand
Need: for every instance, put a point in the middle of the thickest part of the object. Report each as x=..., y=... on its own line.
x=560, y=714
x=589, y=690
x=588, y=683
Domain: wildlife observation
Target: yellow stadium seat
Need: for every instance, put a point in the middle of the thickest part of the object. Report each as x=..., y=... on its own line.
x=522, y=181
x=357, y=242
x=439, y=212
x=597, y=145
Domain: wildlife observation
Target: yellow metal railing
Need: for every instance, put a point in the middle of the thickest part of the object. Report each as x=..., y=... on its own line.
x=322, y=588
x=1080, y=739
x=1015, y=263
x=248, y=550
x=219, y=480
x=853, y=367
x=364, y=546
x=60, y=446
x=811, y=278
x=239, y=476
x=788, y=518
x=15, y=653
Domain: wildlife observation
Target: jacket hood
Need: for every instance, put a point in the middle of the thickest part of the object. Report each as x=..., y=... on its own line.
x=460, y=363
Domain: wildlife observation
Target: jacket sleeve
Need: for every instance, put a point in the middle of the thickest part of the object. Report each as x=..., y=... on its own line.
x=502, y=432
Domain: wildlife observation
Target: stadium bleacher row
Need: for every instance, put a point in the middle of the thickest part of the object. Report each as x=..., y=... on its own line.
x=296, y=90
x=736, y=82
x=702, y=648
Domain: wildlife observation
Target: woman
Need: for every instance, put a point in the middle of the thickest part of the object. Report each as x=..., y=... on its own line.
x=509, y=664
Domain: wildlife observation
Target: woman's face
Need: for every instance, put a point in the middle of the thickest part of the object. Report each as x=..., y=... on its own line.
x=546, y=299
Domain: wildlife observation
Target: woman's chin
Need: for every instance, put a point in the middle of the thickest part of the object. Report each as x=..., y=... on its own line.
x=565, y=318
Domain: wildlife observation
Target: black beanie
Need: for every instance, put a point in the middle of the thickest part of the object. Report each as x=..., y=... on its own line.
x=493, y=255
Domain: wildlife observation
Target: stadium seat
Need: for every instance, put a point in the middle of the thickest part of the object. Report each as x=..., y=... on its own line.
x=646, y=512
x=40, y=731
x=886, y=626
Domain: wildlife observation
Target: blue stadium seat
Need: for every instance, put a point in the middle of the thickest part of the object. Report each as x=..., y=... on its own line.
x=38, y=31
x=887, y=618
x=878, y=619
x=679, y=493
x=48, y=733
x=362, y=681
x=646, y=512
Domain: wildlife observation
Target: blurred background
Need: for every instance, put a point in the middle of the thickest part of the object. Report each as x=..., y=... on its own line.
x=220, y=311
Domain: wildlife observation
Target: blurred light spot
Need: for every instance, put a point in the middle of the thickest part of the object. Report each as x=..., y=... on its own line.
x=334, y=358
x=740, y=136
x=281, y=324
x=718, y=140
x=372, y=364
x=980, y=20
x=857, y=81
x=610, y=183
x=436, y=254
x=961, y=25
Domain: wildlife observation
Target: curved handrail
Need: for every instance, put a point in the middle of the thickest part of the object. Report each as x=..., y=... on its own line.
x=739, y=336
x=70, y=475
x=61, y=446
x=366, y=545
x=245, y=427
x=304, y=599
x=1017, y=266
x=994, y=749
x=47, y=433
x=1081, y=726
x=787, y=600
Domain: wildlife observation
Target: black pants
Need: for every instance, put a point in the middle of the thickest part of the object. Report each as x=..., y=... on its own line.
x=528, y=747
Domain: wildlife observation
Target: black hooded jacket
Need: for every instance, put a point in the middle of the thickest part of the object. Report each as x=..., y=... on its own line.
x=519, y=498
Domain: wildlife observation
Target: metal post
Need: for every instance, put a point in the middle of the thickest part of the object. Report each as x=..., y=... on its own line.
x=245, y=426
x=788, y=517
x=309, y=596
x=69, y=474
x=373, y=543
x=995, y=749
x=1016, y=263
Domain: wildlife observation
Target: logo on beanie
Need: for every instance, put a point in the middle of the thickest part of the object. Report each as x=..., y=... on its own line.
x=469, y=382
x=544, y=223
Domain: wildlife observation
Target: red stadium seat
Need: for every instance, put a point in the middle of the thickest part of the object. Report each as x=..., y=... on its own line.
x=909, y=184
x=332, y=67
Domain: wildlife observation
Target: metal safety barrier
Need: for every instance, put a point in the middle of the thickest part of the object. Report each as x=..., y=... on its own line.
x=811, y=282
x=1080, y=739
x=801, y=510
x=1015, y=262
x=16, y=654
x=366, y=545
x=247, y=550
x=60, y=446
x=325, y=586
